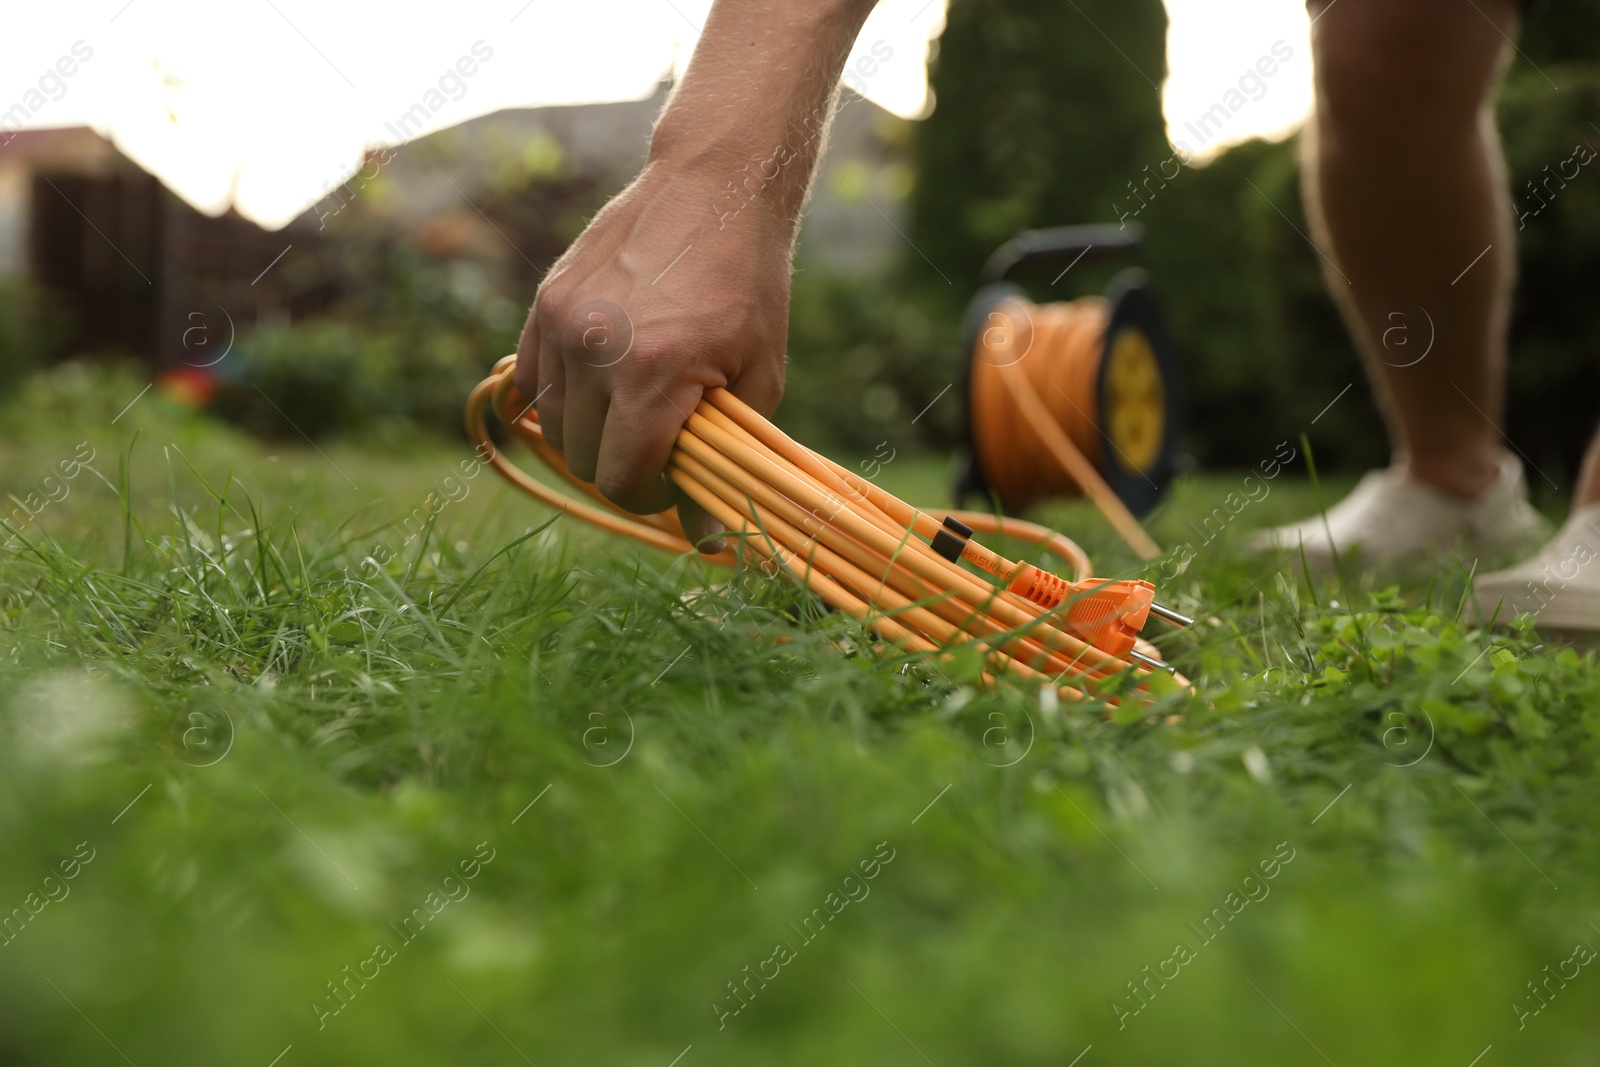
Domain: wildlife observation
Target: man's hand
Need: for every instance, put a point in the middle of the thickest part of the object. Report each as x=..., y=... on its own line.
x=650, y=307
x=682, y=283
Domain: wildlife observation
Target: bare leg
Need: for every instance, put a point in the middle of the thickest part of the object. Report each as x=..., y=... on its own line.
x=1409, y=203
x=1588, y=491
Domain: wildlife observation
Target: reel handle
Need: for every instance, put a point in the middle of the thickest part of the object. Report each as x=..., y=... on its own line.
x=1062, y=244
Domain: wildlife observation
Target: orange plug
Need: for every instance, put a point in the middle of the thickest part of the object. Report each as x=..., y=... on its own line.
x=1107, y=614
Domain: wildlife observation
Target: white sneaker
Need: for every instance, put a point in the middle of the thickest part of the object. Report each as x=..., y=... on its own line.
x=1392, y=517
x=1559, y=587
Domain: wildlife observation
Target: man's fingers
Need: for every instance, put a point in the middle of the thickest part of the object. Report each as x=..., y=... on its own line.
x=583, y=426
x=638, y=443
x=551, y=398
x=526, y=375
x=641, y=429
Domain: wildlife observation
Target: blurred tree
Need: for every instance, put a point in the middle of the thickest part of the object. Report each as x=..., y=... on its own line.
x=1261, y=348
x=1045, y=110
x=866, y=362
x=1555, y=331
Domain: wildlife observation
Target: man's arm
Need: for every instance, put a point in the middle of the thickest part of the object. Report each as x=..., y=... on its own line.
x=681, y=283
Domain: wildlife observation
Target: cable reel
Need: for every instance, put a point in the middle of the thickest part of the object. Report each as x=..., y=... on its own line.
x=1070, y=398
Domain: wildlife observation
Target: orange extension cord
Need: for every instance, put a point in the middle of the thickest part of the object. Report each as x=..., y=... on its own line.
x=1033, y=419
x=861, y=549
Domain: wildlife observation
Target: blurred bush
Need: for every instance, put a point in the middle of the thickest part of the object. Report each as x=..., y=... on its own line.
x=33, y=329
x=420, y=306
x=405, y=355
x=69, y=393
x=864, y=361
x=1555, y=330
x=401, y=350
x=319, y=376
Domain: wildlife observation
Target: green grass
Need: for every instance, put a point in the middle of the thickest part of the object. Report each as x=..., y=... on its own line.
x=274, y=751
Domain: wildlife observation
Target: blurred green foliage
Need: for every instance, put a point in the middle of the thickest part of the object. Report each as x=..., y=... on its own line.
x=32, y=329
x=318, y=376
x=1044, y=112
x=1555, y=354
x=860, y=369
x=402, y=351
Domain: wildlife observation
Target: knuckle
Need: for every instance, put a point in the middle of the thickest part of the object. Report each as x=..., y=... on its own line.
x=597, y=332
x=549, y=301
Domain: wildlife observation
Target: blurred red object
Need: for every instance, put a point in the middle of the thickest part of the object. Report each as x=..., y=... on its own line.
x=190, y=387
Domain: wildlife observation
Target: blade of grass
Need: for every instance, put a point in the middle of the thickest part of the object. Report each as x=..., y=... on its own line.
x=467, y=584
x=1322, y=511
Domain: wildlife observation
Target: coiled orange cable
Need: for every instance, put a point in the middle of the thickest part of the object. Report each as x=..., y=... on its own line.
x=861, y=549
x=1035, y=369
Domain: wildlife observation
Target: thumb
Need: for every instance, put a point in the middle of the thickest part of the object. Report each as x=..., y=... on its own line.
x=760, y=382
x=703, y=531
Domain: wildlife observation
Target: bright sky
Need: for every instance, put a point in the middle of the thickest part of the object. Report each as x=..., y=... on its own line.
x=1220, y=53
x=265, y=105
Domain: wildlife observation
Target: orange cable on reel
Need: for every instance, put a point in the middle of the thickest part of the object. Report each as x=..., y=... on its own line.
x=862, y=550
x=1070, y=398
x=1033, y=411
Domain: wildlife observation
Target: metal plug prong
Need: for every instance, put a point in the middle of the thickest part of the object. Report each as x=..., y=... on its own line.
x=1151, y=662
x=1161, y=611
